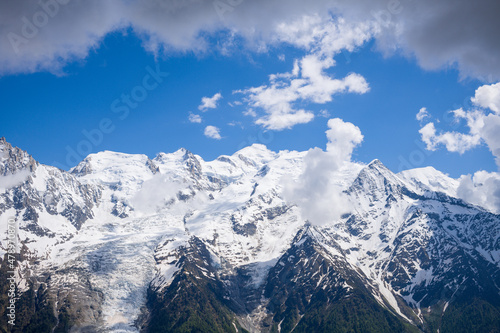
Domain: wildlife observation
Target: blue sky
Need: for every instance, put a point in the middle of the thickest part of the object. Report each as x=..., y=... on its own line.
x=46, y=106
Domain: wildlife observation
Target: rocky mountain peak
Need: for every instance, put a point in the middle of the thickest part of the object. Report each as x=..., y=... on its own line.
x=14, y=159
x=376, y=179
x=377, y=166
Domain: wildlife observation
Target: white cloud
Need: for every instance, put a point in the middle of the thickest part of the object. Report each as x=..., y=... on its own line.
x=156, y=193
x=342, y=139
x=325, y=36
x=307, y=82
x=459, y=34
x=453, y=141
x=285, y=119
x=209, y=102
x=13, y=180
x=490, y=132
x=488, y=96
x=483, y=189
x=194, y=118
x=212, y=132
x=319, y=198
x=422, y=114
x=236, y=123
x=483, y=127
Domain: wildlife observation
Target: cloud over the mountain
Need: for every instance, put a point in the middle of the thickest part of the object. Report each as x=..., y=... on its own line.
x=11, y=180
x=315, y=192
x=45, y=35
x=482, y=188
x=483, y=123
x=342, y=137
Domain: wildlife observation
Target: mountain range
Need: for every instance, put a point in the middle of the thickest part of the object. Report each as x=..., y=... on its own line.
x=125, y=243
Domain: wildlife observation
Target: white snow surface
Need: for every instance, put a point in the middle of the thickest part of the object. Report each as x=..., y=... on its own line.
x=430, y=179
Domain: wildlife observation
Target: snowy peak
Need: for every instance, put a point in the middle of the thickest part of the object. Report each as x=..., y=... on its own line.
x=429, y=179
x=120, y=175
x=256, y=153
x=116, y=169
x=311, y=233
x=166, y=161
x=181, y=159
x=49, y=204
x=376, y=181
x=376, y=167
x=193, y=164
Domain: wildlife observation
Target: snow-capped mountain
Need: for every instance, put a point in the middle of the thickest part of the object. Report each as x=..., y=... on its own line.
x=125, y=243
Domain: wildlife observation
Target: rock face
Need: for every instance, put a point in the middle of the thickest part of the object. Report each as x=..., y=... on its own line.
x=125, y=243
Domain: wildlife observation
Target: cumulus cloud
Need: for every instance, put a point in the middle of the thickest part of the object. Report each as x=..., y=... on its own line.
x=342, y=139
x=46, y=35
x=209, y=102
x=307, y=82
x=484, y=126
x=482, y=188
x=488, y=96
x=315, y=192
x=212, y=132
x=194, y=118
x=279, y=119
x=490, y=132
x=453, y=141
